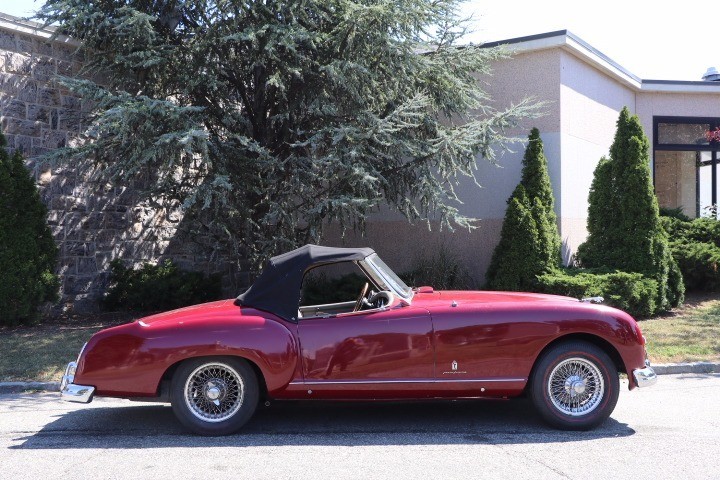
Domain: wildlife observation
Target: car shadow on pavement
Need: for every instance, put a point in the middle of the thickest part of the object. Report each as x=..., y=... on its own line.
x=317, y=423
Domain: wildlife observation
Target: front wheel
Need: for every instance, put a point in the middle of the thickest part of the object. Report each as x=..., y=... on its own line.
x=575, y=386
x=214, y=395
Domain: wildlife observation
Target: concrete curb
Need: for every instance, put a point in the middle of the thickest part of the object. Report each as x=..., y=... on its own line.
x=660, y=369
x=18, y=387
x=694, y=367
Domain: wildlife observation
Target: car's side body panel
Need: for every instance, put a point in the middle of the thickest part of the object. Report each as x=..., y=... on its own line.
x=130, y=360
x=446, y=344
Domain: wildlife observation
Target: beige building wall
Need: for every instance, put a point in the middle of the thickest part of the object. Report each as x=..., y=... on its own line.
x=590, y=104
x=675, y=104
x=403, y=246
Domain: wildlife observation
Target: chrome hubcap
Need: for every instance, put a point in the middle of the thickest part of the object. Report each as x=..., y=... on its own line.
x=214, y=392
x=576, y=387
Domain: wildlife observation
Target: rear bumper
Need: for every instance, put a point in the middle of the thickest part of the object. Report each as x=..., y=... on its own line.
x=72, y=392
x=645, y=377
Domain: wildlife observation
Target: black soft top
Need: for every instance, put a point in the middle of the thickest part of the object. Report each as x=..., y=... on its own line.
x=277, y=289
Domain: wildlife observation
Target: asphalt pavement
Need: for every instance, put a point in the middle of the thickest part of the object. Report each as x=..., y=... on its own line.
x=671, y=430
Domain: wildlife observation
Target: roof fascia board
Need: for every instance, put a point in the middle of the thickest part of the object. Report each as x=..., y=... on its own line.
x=578, y=47
x=34, y=29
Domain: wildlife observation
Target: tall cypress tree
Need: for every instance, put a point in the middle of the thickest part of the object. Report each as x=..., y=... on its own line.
x=529, y=241
x=536, y=180
x=27, y=249
x=623, y=218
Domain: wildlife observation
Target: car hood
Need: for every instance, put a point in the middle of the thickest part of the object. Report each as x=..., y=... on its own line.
x=447, y=297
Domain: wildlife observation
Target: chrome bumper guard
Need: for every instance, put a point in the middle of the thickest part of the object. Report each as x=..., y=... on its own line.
x=71, y=392
x=645, y=377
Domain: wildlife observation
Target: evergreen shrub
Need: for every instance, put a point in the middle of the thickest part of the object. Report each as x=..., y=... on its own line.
x=28, y=252
x=625, y=233
x=695, y=246
x=631, y=292
x=529, y=240
x=158, y=287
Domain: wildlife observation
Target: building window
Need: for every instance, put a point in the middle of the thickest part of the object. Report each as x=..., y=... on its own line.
x=686, y=165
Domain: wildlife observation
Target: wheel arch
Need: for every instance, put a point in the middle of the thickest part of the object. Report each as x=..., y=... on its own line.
x=164, y=385
x=598, y=341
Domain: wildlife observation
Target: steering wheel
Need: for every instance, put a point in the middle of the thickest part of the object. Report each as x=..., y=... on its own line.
x=359, y=302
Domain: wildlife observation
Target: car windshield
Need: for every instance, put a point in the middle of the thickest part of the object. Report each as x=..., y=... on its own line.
x=389, y=276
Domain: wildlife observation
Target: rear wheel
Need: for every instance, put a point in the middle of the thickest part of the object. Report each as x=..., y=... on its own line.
x=214, y=395
x=575, y=386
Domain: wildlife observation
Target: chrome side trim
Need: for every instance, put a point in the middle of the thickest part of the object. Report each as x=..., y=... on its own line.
x=645, y=377
x=386, y=382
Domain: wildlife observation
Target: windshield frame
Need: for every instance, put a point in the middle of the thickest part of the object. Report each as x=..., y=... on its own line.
x=383, y=275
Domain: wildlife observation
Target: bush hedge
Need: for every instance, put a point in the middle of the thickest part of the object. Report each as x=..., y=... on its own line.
x=695, y=246
x=631, y=292
x=529, y=240
x=158, y=287
x=28, y=252
x=625, y=233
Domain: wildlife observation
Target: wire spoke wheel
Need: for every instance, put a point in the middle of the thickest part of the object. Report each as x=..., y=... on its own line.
x=214, y=392
x=576, y=386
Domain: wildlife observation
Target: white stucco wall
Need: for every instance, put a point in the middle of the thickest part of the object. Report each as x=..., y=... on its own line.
x=530, y=75
x=590, y=104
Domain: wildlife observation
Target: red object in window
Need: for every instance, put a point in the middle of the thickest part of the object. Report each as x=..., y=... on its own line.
x=713, y=135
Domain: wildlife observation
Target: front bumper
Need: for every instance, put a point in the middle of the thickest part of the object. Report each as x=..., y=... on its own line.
x=645, y=377
x=72, y=392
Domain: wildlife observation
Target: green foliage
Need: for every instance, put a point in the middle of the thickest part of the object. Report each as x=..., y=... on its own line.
x=274, y=118
x=158, y=287
x=695, y=246
x=27, y=250
x=516, y=260
x=529, y=241
x=623, y=217
x=439, y=267
x=631, y=292
x=674, y=213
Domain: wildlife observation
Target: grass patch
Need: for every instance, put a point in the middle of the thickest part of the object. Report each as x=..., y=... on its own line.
x=689, y=334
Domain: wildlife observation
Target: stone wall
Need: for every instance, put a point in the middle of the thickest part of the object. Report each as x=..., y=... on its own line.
x=92, y=222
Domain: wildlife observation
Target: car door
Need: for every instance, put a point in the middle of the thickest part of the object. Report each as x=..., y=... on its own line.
x=362, y=350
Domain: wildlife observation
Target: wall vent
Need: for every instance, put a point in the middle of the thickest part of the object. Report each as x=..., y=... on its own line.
x=712, y=75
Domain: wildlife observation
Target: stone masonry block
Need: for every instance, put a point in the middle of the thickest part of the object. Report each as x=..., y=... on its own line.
x=8, y=41
x=38, y=113
x=44, y=69
x=68, y=101
x=21, y=127
x=53, y=138
x=48, y=96
x=43, y=48
x=18, y=63
x=86, y=266
x=68, y=119
x=24, y=144
x=27, y=89
x=25, y=44
x=15, y=109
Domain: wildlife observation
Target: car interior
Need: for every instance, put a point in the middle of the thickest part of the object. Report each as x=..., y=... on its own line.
x=340, y=288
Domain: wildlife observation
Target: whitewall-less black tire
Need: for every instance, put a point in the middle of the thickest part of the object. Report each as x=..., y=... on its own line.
x=574, y=386
x=214, y=395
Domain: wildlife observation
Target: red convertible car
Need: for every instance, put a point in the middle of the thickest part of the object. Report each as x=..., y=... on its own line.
x=214, y=362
